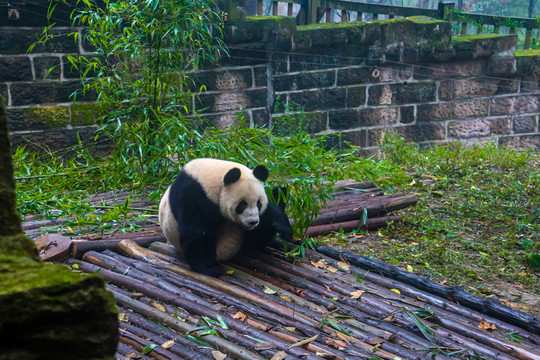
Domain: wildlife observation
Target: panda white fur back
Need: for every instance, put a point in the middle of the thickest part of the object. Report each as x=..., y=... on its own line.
x=208, y=209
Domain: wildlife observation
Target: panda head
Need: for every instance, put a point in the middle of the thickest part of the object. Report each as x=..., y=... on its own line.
x=243, y=198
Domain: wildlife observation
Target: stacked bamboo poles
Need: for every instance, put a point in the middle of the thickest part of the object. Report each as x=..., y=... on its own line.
x=284, y=303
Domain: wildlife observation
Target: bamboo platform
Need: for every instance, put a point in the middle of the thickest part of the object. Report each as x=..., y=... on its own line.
x=331, y=304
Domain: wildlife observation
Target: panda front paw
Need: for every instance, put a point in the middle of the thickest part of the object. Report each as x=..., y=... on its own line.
x=215, y=270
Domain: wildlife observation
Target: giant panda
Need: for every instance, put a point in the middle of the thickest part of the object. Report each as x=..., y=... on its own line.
x=213, y=207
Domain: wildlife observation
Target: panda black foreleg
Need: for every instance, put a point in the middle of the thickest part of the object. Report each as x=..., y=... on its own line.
x=199, y=249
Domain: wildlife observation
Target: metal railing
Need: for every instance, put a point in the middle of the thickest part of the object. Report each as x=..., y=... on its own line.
x=316, y=11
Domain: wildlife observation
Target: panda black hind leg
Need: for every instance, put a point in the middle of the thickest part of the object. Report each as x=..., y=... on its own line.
x=198, y=219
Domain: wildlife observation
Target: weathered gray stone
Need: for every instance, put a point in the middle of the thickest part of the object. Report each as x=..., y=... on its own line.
x=423, y=132
x=358, y=75
x=319, y=99
x=376, y=136
x=231, y=101
x=407, y=114
x=261, y=77
x=261, y=117
x=521, y=142
x=478, y=127
x=304, y=62
x=403, y=93
x=356, y=137
x=502, y=64
x=524, y=124
x=53, y=139
x=450, y=69
x=47, y=67
x=38, y=118
x=475, y=87
x=220, y=80
x=15, y=68
x=356, y=96
x=61, y=42
x=305, y=80
x=349, y=119
x=509, y=105
x=47, y=93
x=452, y=110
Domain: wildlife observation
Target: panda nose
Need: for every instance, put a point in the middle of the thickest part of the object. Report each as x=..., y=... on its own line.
x=253, y=223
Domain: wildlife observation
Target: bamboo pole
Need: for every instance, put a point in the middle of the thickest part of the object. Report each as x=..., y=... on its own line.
x=137, y=252
x=491, y=307
x=188, y=302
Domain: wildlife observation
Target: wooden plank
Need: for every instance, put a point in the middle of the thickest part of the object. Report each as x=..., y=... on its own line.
x=344, y=16
x=259, y=7
x=275, y=5
x=328, y=15
x=289, y=9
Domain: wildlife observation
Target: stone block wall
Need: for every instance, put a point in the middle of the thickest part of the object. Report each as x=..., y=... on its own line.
x=356, y=80
x=38, y=88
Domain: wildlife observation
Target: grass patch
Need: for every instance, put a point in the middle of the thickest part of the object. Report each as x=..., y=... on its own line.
x=476, y=223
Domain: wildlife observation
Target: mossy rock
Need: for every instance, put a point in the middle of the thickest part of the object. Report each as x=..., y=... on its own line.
x=83, y=114
x=49, y=116
x=48, y=311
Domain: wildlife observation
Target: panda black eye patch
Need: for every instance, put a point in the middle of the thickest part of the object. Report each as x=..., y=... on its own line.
x=259, y=204
x=242, y=205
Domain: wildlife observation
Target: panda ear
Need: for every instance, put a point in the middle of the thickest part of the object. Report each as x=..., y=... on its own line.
x=261, y=172
x=232, y=176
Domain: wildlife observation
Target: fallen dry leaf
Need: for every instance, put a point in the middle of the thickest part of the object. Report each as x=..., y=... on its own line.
x=136, y=295
x=290, y=329
x=240, y=316
x=356, y=294
x=122, y=317
x=319, y=265
x=133, y=356
x=332, y=269
x=167, y=344
x=280, y=355
x=336, y=344
x=159, y=306
x=484, y=325
x=327, y=287
x=344, y=266
x=218, y=355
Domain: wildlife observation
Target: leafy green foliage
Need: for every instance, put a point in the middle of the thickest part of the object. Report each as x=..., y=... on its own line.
x=141, y=68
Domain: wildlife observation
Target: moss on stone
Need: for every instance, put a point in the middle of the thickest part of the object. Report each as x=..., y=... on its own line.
x=83, y=114
x=275, y=19
x=470, y=38
x=47, y=306
x=53, y=116
x=527, y=53
x=410, y=19
x=18, y=245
